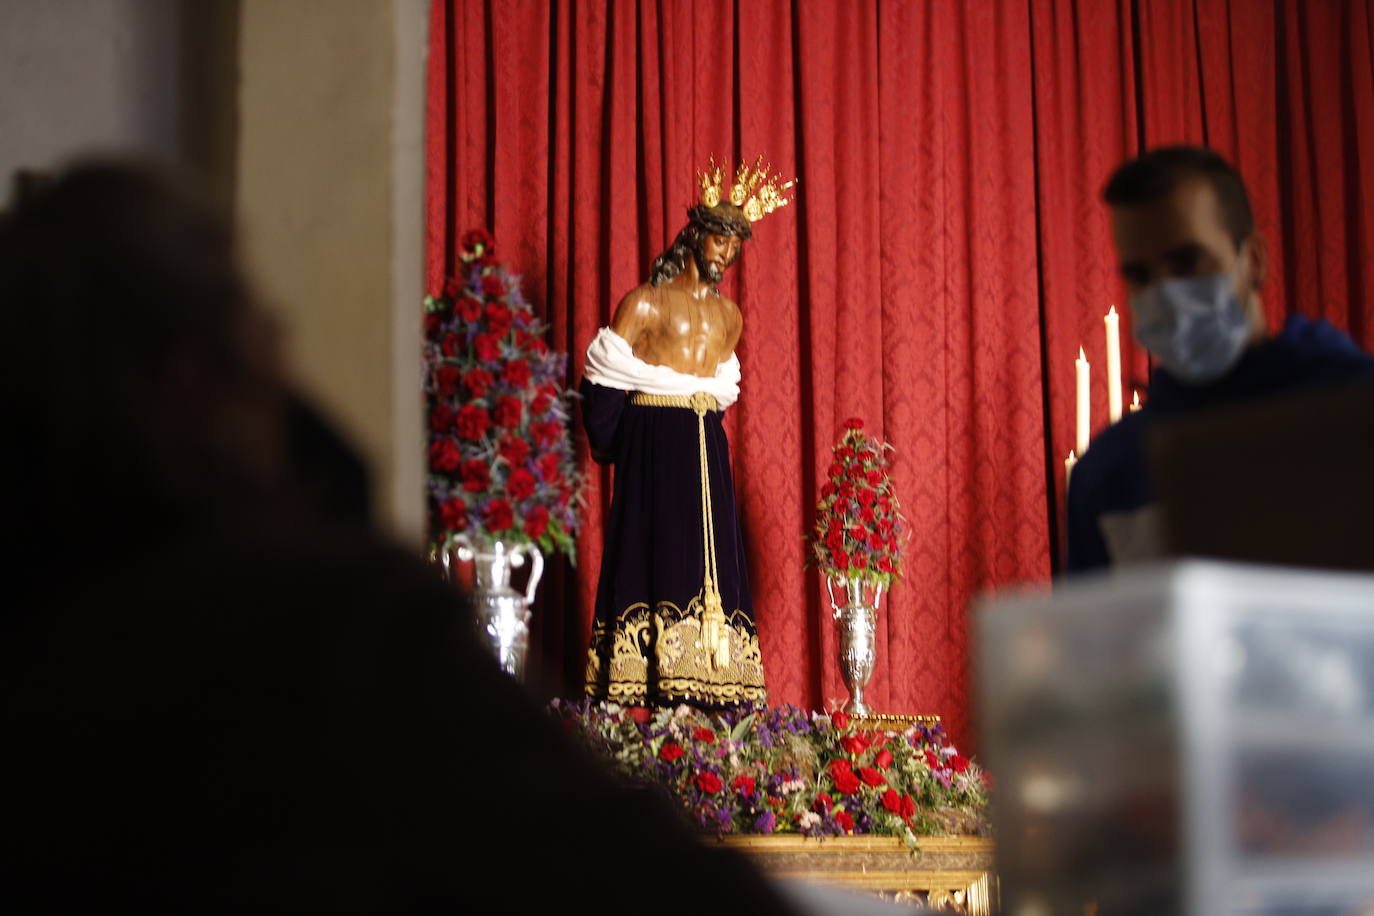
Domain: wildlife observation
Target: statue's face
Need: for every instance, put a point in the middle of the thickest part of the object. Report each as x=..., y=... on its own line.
x=714, y=253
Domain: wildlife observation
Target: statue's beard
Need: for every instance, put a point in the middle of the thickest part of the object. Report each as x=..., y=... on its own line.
x=709, y=271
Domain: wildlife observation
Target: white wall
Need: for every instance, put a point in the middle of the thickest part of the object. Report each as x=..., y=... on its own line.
x=81, y=75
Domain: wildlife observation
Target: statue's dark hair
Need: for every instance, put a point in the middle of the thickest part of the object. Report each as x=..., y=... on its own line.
x=722, y=219
x=1154, y=175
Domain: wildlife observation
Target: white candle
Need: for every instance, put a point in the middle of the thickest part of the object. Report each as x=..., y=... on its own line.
x=1084, y=414
x=1135, y=402
x=1069, y=462
x=1113, y=365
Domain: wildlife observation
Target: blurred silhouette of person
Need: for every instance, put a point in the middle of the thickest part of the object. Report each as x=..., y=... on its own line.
x=222, y=692
x=1193, y=265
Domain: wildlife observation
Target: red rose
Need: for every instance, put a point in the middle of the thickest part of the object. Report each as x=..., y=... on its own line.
x=548, y=465
x=744, y=784
x=541, y=404
x=883, y=759
x=853, y=423
x=840, y=720
x=499, y=318
x=546, y=434
x=453, y=515
x=885, y=565
x=875, y=478
x=520, y=484
x=931, y=760
x=516, y=373
x=498, y=516
x=446, y=380
x=704, y=734
x=908, y=806
x=640, y=714
x=871, y=776
x=845, y=820
x=444, y=456
x=856, y=471
x=841, y=559
x=441, y=418
x=493, y=287
x=432, y=325
x=487, y=347
x=860, y=561
x=452, y=287
x=472, y=421
x=875, y=540
x=958, y=763
x=835, y=541
x=507, y=411
x=477, y=381
x=451, y=344
x=827, y=490
x=671, y=751
x=514, y=449
x=867, y=498
x=834, y=471
x=536, y=521
x=842, y=506
x=709, y=783
x=857, y=533
x=839, y=765
x=846, y=783
x=823, y=802
x=474, y=239
x=469, y=309
x=853, y=744
x=845, y=453
x=476, y=475
x=892, y=801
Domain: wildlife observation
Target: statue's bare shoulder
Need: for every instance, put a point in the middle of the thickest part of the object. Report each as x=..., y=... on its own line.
x=637, y=313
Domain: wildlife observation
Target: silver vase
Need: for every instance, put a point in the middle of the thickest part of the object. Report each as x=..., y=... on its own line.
x=501, y=613
x=857, y=628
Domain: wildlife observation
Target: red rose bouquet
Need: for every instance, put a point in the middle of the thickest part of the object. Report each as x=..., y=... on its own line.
x=500, y=458
x=859, y=524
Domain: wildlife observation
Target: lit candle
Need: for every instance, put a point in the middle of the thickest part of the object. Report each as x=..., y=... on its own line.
x=1113, y=365
x=1069, y=462
x=1135, y=402
x=1084, y=416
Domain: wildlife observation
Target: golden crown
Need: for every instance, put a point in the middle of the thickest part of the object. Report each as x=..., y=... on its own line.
x=754, y=191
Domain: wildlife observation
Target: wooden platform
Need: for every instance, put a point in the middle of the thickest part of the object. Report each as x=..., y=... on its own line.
x=950, y=874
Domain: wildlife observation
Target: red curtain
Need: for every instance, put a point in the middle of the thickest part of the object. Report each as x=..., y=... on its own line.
x=946, y=257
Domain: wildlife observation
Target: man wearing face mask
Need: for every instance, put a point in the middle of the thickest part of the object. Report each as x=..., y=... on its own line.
x=1193, y=266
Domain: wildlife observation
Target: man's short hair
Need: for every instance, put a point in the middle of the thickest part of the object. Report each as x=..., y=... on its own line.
x=1154, y=175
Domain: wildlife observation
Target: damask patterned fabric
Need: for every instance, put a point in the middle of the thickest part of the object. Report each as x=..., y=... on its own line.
x=647, y=646
x=947, y=255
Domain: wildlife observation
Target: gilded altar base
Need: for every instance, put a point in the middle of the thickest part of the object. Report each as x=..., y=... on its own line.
x=948, y=874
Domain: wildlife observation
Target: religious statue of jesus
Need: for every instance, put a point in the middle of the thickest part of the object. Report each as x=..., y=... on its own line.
x=674, y=621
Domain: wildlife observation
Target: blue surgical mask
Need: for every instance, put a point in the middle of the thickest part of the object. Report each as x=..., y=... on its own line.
x=1195, y=326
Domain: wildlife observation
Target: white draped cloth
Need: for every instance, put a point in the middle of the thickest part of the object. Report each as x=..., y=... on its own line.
x=612, y=364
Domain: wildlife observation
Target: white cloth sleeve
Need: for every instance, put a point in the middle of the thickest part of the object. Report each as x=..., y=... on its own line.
x=612, y=364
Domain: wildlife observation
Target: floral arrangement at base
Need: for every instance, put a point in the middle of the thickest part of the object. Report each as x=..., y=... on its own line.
x=779, y=769
x=501, y=461
x=859, y=522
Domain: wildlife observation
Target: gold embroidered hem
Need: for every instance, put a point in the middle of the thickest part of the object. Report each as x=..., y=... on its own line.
x=658, y=658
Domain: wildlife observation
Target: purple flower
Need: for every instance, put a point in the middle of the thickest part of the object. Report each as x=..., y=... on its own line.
x=765, y=823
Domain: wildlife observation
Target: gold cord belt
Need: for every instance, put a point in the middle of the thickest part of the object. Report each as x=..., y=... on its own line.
x=715, y=635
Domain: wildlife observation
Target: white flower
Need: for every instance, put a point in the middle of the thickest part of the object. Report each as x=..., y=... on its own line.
x=808, y=820
x=683, y=710
x=795, y=785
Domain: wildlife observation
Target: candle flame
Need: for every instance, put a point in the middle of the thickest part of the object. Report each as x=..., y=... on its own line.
x=1081, y=355
x=1112, y=313
x=1135, y=400
x=1071, y=455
